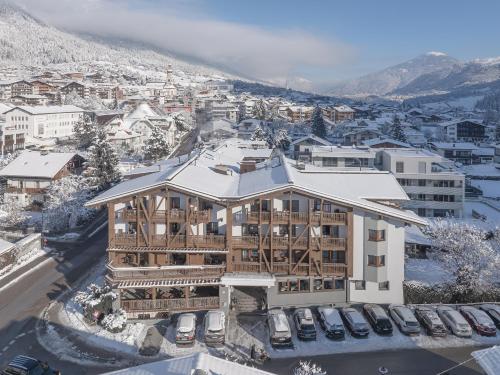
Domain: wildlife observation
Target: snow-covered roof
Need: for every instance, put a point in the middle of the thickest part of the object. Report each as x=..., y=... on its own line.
x=455, y=146
x=488, y=359
x=342, y=151
x=362, y=189
x=312, y=137
x=186, y=365
x=343, y=108
x=37, y=164
x=414, y=235
x=4, y=108
x=143, y=110
x=377, y=141
x=43, y=110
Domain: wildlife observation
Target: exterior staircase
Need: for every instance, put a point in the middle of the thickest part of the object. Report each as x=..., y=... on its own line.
x=248, y=300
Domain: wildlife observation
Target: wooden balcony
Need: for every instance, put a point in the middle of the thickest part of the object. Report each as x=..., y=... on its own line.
x=282, y=268
x=127, y=239
x=332, y=243
x=175, y=215
x=160, y=240
x=335, y=269
x=302, y=269
x=328, y=218
x=246, y=267
x=172, y=304
x=284, y=217
x=154, y=273
x=26, y=190
x=246, y=241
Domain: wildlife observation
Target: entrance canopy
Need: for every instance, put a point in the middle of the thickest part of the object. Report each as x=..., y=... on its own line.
x=248, y=279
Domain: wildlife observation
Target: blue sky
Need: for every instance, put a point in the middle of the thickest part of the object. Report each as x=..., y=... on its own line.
x=350, y=38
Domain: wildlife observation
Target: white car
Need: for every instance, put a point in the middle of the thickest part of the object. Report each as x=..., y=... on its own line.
x=455, y=322
x=405, y=319
x=280, y=333
x=186, y=327
x=215, y=328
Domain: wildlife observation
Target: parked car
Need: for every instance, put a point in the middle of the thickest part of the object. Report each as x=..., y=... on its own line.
x=24, y=365
x=479, y=320
x=355, y=322
x=430, y=321
x=493, y=311
x=304, y=323
x=280, y=333
x=455, y=322
x=186, y=329
x=330, y=320
x=404, y=319
x=378, y=319
x=215, y=328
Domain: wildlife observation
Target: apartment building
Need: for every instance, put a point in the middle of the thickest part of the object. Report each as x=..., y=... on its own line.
x=463, y=131
x=339, y=113
x=187, y=236
x=338, y=156
x=459, y=152
x=434, y=187
x=44, y=121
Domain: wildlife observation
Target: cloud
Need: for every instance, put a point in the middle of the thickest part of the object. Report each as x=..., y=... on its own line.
x=254, y=51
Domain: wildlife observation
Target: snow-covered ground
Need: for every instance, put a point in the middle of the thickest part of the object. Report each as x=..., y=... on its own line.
x=428, y=271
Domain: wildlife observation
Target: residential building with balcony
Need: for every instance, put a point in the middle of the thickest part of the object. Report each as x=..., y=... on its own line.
x=190, y=235
x=434, y=187
x=339, y=113
x=338, y=156
x=459, y=152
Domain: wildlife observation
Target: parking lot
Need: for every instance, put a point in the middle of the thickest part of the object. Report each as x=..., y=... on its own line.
x=245, y=330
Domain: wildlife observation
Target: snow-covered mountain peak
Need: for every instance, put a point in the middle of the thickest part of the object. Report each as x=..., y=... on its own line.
x=436, y=53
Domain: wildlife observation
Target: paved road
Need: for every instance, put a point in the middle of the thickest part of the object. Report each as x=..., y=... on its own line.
x=399, y=362
x=189, y=141
x=22, y=302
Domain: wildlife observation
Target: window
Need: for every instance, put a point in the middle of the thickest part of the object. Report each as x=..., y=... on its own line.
x=400, y=167
x=422, y=182
x=422, y=167
x=376, y=235
x=384, y=285
x=213, y=227
x=421, y=212
x=376, y=261
x=250, y=255
x=359, y=285
x=175, y=228
x=250, y=229
x=339, y=284
x=328, y=283
x=175, y=202
x=329, y=162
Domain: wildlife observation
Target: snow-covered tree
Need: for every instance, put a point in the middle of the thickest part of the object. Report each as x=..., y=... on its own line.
x=318, y=123
x=11, y=212
x=65, y=206
x=466, y=252
x=308, y=368
x=85, y=131
x=279, y=139
x=180, y=122
x=115, y=322
x=156, y=147
x=259, y=110
x=103, y=162
x=259, y=134
x=397, y=132
x=92, y=103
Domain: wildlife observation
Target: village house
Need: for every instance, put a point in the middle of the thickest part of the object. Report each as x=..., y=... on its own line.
x=460, y=152
x=288, y=236
x=11, y=138
x=32, y=172
x=301, y=144
x=463, y=131
x=341, y=157
x=339, y=113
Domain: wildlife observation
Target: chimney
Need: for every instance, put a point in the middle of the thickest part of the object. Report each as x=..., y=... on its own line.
x=247, y=166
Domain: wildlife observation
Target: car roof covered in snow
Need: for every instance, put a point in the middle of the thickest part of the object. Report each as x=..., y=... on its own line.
x=280, y=320
x=186, y=322
x=330, y=314
x=215, y=320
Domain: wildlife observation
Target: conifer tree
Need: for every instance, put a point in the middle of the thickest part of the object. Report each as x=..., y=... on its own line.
x=156, y=147
x=85, y=131
x=259, y=110
x=318, y=124
x=397, y=132
x=103, y=162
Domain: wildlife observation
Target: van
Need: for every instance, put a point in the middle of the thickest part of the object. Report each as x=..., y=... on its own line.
x=378, y=319
x=280, y=333
x=330, y=320
x=304, y=323
x=215, y=328
x=186, y=327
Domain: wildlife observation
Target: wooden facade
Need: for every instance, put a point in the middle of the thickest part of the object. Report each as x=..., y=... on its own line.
x=180, y=251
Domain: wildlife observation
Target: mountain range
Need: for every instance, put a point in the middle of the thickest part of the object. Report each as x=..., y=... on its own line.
x=429, y=74
x=29, y=42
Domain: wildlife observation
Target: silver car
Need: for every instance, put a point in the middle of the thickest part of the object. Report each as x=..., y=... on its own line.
x=455, y=322
x=215, y=328
x=186, y=327
x=280, y=333
x=405, y=319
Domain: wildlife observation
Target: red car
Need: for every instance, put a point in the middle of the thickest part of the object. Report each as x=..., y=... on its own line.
x=479, y=320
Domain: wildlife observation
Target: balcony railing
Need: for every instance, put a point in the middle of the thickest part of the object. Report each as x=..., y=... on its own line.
x=281, y=268
x=174, y=215
x=160, y=240
x=302, y=269
x=26, y=190
x=329, y=218
x=338, y=269
x=172, y=304
x=333, y=243
x=246, y=267
x=152, y=273
x=246, y=241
